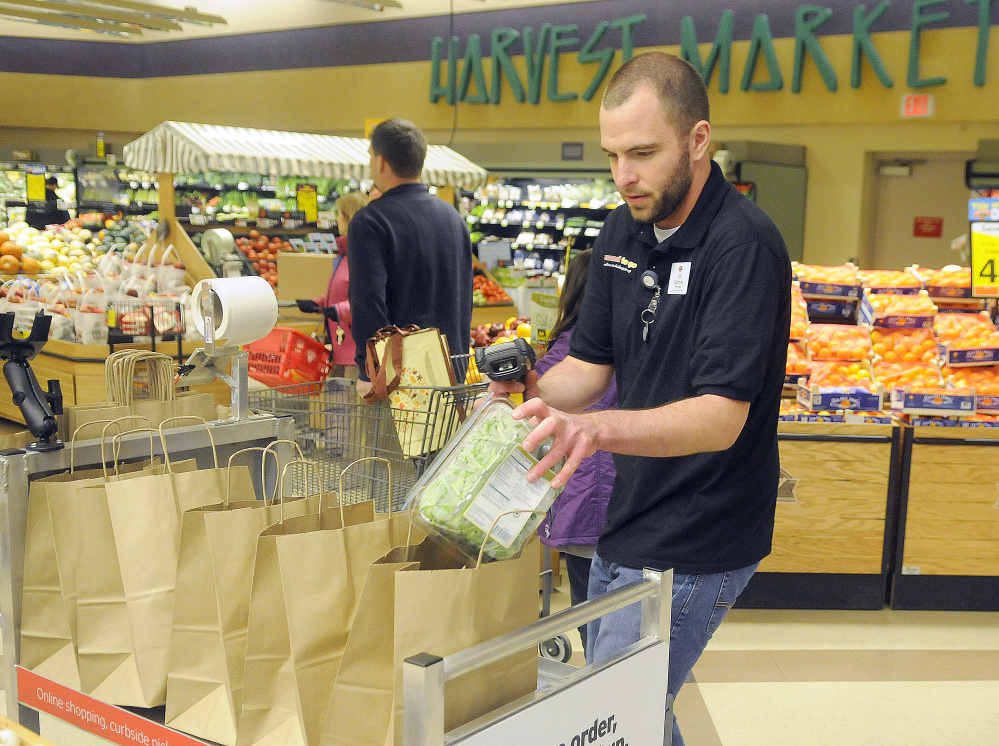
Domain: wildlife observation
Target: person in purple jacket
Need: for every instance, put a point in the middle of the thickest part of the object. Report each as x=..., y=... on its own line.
x=575, y=519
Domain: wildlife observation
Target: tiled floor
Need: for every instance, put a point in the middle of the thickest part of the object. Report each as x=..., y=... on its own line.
x=844, y=678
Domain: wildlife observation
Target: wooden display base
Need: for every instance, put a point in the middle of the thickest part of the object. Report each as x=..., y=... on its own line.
x=947, y=554
x=945, y=593
x=789, y=590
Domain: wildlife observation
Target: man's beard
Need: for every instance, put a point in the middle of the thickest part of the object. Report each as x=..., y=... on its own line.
x=674, y=193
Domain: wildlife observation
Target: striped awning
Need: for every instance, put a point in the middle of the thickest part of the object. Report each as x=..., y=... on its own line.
x=183, y=147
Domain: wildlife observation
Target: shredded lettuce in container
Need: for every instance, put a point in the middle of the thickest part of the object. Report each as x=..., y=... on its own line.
x=465, y=472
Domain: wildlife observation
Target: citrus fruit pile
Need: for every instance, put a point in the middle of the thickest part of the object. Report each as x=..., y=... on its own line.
x=966, y=331
x=917, y=376
x=904, y=345
x=799, y=314
x=845, y=274
x=894, y=304
x=889, y=278
x=984, y=378
x=838, y=342
x=797, y=361
x=946, y=278
x=831, y=374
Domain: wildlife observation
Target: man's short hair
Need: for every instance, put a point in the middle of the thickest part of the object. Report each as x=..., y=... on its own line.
x=402, y=144
x=677, y=84
x=52, y=181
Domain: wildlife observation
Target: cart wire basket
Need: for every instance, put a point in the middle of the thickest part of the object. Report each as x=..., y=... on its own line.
x=334, y=428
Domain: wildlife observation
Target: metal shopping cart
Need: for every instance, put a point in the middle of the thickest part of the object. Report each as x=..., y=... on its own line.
x=334, y=427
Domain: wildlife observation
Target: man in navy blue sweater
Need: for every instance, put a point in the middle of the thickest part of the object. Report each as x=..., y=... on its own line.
x=409, y=252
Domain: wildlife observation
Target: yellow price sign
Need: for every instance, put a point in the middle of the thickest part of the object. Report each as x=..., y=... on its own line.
x=308, y=202
x=370, y=124
x=35, y=187
x=985, y=260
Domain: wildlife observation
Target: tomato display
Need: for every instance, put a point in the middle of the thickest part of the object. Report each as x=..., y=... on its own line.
x=485, y=292
x=262, y=252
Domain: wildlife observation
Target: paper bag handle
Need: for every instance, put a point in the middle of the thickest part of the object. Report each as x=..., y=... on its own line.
x=116, y=445
x=200, y=420
x=104, y=435
x=72, y=440
x=269, y=448
x=377, y=375
x=351, y=465
x=489, y=533
x=263, y=467
x=319, y=479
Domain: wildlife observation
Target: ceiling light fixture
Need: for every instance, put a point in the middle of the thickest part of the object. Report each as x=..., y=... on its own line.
x=95, y=13
x=114, y=17
x=67, y=22
x=380, y=5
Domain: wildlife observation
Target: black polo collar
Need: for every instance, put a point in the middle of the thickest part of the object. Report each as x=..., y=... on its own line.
x=692, y=230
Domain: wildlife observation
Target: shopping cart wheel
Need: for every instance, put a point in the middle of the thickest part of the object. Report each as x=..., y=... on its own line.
x=556, y=649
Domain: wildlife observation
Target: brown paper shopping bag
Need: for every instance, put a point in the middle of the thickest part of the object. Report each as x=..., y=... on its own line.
x=422, y=599
x=211, y=604
x=48, y=600
x=125, y=598
x=408, y=367
x=301, y=602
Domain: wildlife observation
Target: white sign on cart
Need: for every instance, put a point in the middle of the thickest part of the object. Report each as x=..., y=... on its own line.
x=623, y=704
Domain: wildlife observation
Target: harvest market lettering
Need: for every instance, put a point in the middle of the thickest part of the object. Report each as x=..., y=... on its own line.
x=458, y=78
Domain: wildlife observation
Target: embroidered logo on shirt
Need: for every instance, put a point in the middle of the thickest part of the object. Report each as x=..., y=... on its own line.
x=619, y=262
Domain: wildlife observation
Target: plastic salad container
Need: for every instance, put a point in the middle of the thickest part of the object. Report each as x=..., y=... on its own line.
x=478, y=476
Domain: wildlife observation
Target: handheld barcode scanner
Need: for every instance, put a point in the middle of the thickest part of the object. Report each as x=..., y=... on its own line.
x=38, y=407
x=507, y=361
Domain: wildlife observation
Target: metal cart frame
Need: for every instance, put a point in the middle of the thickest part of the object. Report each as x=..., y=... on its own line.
x=19, y=467
x=335, y=428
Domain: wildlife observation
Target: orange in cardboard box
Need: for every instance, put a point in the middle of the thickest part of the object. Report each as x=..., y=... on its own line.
x=838, y=342
x=904, y=345
x=830, y=374
x=844, y=274
x=889, y=278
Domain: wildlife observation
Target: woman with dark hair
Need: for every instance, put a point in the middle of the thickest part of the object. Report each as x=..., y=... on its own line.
x=575, y=519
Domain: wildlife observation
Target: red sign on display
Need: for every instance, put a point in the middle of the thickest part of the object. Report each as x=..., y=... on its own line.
x=917, y=105
x=107, y=721
x=927, y=227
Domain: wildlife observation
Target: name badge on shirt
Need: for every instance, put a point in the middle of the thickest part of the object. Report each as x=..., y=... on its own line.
x=679, y=274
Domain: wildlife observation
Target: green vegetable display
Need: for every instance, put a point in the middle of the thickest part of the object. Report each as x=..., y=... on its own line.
x=446, y=493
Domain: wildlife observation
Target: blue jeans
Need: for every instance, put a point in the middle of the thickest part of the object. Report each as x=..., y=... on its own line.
x=700, y=603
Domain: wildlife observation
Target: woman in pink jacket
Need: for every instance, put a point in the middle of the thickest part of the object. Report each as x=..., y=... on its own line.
x=334, y=305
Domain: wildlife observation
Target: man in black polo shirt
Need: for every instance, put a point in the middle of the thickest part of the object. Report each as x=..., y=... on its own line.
x=687, y=306
x=410, y=254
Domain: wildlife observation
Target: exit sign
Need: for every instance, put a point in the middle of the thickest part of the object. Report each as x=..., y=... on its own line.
x=917, y=105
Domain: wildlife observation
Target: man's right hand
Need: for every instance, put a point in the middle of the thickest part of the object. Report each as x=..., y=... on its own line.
x=528, y=387
x=308, y=306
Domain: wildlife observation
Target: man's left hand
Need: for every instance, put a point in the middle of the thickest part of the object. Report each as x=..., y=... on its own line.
x=575, y=437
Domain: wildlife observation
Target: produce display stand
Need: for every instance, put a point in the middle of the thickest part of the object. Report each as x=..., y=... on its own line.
x=79, y=368
x=17, y=469
x=836, y=520
x=948, y=545
x=183, y=147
